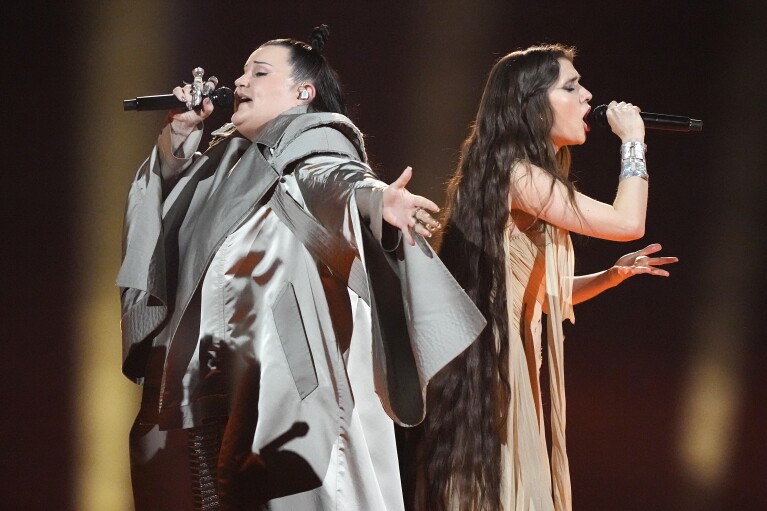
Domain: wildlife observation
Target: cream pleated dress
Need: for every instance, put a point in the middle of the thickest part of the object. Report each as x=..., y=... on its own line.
x=539, y=270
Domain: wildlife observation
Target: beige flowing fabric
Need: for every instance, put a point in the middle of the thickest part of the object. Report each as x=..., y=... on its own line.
x=539, y=267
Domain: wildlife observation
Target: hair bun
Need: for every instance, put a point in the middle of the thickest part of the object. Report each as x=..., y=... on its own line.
x=319, y=37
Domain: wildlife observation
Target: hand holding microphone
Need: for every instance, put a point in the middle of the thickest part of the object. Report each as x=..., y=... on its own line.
x=190, y=96
x=652, y=121
x=625, y=121
x=189, y=105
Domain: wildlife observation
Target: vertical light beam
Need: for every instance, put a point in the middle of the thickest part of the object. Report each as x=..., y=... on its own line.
x=123, y=50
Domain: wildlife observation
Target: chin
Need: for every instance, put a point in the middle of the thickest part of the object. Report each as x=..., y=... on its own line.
x=578, y=141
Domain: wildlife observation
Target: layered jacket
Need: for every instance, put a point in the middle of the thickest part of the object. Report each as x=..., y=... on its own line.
x=258, y=288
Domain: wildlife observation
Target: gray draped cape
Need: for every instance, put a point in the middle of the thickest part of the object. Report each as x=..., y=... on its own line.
x=258, y=289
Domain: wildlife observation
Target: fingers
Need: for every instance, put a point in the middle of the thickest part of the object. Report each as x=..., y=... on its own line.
x=424, y=203
x=650, y=249
x=640, y=262
x=183, y=93
x=404, y=178
x=423, y=223
x=615, y=106
x=207, y=107
x=656, y=261
x=659, y=261
x=180, y=93
x=398, y=202
x=649, y=266
x=408, y=236
x=419, y=229
x=625, y=121
x=628, y=271
x=209, y=85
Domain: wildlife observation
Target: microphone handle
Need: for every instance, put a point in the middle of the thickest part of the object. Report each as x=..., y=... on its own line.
x=221, y=97
x=670, y=122
x=653, y=121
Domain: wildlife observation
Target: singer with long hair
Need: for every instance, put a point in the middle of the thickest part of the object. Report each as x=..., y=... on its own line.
x=510, y=209
x=271, y=331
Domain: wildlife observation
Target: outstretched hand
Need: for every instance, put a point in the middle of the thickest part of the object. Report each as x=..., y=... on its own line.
x=406, y=211
x=640, y=262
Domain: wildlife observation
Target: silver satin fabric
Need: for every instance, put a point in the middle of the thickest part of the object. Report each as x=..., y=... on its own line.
x=264, y=300
x=305, y=370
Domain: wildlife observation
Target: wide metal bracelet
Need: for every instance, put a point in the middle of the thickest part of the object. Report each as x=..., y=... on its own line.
x=633, y=167
x=633, y=149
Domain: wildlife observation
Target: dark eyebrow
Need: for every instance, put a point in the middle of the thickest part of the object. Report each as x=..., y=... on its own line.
x=258, y=62
x=573, y=79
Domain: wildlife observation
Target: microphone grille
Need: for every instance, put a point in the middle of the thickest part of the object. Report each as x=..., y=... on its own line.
x=223, y=96
x=599, y=116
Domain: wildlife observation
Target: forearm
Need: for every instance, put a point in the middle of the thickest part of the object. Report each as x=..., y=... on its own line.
x=586, y=287
x=177, y=150
x=631, y=197
x=369, y=201
x=328, y=183
x=631, y=205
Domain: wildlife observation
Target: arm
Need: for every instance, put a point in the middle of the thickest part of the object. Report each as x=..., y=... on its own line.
x=586, y=287
x=180, y=136
x=406, y=211
x=176, y=154
x=535, y=192
x=327, y=182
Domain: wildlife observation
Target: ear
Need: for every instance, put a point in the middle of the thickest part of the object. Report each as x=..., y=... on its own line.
x=306, y=93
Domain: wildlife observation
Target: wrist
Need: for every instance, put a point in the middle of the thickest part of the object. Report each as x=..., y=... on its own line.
x=614, y=276
x=633, y=160
x=633, y=148
x=178, y=127
x=626, y=138
x=181, y=130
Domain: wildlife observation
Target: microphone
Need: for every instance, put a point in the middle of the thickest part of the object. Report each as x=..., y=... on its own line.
x=652, y=121
x=222, y=96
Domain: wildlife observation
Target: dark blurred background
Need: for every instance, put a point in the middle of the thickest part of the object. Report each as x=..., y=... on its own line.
x=665, y=377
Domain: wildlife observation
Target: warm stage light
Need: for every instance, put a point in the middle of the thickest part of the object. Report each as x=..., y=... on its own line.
x=123, y=47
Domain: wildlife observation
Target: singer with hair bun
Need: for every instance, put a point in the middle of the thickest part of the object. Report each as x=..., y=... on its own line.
x=510, y=209
x=274, y=336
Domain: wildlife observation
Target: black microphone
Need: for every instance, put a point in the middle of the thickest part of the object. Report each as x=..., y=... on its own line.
x=222, y=96
x=652, y=121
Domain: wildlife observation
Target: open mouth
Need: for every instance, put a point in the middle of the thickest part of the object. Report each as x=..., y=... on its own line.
x=239, y=99
x=586, y=120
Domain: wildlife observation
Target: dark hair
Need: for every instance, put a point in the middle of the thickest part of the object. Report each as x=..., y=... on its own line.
x=310, y=65
x=468, y=401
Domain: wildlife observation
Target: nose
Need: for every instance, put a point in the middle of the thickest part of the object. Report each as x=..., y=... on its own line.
x=241, y=81
x=586, y=94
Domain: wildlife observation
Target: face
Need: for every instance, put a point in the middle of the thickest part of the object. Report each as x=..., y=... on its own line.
x=570, y=104
x=264, y=91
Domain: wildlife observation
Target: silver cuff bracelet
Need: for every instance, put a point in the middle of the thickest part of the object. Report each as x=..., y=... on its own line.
x=633, y=149
x=633, y=160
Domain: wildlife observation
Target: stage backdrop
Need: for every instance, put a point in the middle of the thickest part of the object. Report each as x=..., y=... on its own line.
x=666, y=378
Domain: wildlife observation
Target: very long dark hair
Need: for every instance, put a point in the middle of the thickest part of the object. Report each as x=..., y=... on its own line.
x=469, y=400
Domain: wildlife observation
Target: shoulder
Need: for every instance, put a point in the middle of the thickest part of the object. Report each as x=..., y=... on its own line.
x=322, y=132
x=525, y=169
x=323, y=121
x=525, y=174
